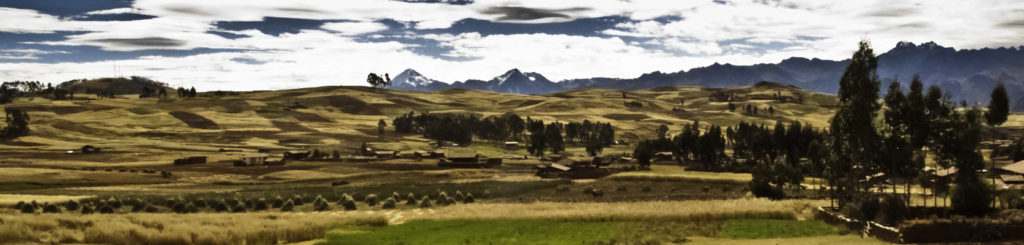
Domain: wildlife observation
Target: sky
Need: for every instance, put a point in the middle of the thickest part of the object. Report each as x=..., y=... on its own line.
x=278, y=44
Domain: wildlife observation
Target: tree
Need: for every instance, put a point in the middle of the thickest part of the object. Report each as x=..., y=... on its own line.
x=378, y=82
x=643, y=153
x=732, y=107
x=662, y=131
x=516, y=125
x=192, y=92
x=17, y=124
x=854, y=138
x=998, y=107
x=553, y=138
x=537, y=137
x=380, y=127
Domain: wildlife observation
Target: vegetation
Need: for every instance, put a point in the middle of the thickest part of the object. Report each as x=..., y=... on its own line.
x=772, y=228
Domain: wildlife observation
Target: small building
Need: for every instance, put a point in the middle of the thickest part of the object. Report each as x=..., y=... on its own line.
x=190, y=160
x=462, y=158
x=437, y=154
x=360, y=158
x=251, y=161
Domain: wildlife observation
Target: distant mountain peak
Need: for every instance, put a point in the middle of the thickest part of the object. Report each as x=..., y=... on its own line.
x=412, y=80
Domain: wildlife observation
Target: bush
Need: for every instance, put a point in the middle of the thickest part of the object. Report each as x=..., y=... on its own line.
x=288, y=206
x=179, y=208
x=1011, y=199
x=51, y=208
x=114, y=203
x=139, y=206
x=411, y=199
x=191, y=208
x=240, y=208
x=221, y=206
x=150, y=209
x=371, y=200
x=200, y=203
x=459, y=196
x=72, y=205
x=165, y=174
x=233, y=202
x=19, y=205
x=106, y=209
x=469, y=198
x=260, y=204
x=646, y=189
x=396, y=196
x=971, y=198
x=87, y=209
x=441, y=196
x=249, y=203
x=388, y=203
x=425, y=203
x=863, y=208
x=763, y=188
x=349, y=204
x=320, y=204
x=278, y=202
x=894, y=211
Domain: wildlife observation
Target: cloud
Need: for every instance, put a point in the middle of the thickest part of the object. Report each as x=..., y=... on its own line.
x=525, y=14
x=354, y=28
x=141, y=42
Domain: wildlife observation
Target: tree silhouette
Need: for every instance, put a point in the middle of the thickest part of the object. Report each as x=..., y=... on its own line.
x=855, y=140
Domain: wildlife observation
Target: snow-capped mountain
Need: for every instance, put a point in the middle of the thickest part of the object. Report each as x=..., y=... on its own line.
x=412, y=80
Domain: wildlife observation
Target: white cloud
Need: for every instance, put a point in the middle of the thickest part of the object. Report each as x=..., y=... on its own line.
x=354, y=28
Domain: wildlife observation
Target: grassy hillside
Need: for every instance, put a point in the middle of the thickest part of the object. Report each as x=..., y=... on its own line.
x=151, y=130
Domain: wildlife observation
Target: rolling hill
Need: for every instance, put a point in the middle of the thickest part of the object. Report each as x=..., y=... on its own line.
x=155, y=130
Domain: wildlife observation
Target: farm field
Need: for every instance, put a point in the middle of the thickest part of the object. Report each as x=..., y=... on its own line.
x=134, y=193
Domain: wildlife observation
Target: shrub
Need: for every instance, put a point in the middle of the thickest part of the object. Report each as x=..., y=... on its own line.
x=249, y=203
x=28, y=209
x=106, y=209
x=486, y=194
x=971, y=198
x=240, y=208
x=893, y=211
x=459, y=196
x=396, y=196
x=297, y=200
x=19, y=205
x=221, y=206
x=72, y=205
x=469, y=198
x=597, y=193
x=344, y=198
x=425, y=203
x=411, y=199
x=1011, y=199
x=288, y=206
x=114, y=203
x=349, y=204
x=179, y=208
x=761, y=187
x=191, y=208
x=863, y=208
x=139, y=206
x=621, y=189
x=320, y=204
x=441, y=195
x=233, y=202
x=51, y=208
x=646, y=189
x=151, y=209
x=371, y=200
x=200, y=203
x=388, y=203
x=87, y=209
x=165, y=174
x=260, y=204
x=278, y=202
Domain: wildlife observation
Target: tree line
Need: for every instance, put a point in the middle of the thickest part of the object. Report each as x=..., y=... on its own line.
x=463, y=128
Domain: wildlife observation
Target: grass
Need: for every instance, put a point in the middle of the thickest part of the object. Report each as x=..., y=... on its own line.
x=166, y=228
x=493, y=231
x=668, y=173
x=771, y=228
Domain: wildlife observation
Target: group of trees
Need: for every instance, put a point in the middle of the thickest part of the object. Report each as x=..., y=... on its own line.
x=754, y=110
x=774, y=155
x=186, y=93
x=690, y=145
x=17, y=124
x=551, y=137
x=915, y=125
x=378, y=82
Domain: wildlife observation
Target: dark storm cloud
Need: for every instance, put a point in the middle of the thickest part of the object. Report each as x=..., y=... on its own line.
x=65, y=8
x=524, y=13
x=145, y=41
x=1015, y=24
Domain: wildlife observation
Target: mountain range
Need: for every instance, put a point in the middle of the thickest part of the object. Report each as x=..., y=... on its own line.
x=968, y=74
